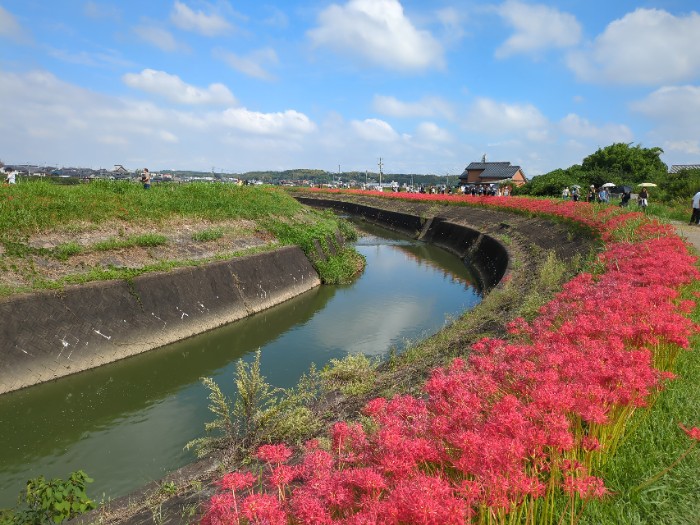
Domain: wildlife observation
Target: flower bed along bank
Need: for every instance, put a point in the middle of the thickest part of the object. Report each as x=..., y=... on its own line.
x=517, y=432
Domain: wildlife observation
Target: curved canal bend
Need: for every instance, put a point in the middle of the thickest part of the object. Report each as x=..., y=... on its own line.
x=126, y=423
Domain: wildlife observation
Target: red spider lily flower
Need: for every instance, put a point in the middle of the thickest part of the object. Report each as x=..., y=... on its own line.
x=283, y=475
x=693, y=433
x=237, y=481
x=221, y=510
x=263, y=509
x=586, y=487
x=590, y=443
x=274, y=454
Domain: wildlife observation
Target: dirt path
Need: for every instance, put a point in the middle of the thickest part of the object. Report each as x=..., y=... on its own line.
x=689, y=232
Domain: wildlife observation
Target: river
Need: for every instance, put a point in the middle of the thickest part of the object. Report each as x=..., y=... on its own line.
x=126, y=423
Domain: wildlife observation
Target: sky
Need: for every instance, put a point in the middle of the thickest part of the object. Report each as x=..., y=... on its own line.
x=426, y=86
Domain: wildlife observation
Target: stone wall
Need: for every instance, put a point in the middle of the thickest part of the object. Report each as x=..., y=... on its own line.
x=48, y=335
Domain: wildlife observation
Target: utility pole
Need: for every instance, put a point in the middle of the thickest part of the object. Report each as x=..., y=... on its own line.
x=380, y=174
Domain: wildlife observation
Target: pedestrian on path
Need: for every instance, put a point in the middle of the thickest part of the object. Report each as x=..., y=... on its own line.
x=146, y=179
x=695, y=217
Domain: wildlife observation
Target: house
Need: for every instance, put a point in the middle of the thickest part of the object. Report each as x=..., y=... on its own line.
x=492, y=173
x=677, y=168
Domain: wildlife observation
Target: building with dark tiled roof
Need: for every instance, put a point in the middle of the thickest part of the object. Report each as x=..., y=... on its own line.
x=677, y=168
x=492, y=173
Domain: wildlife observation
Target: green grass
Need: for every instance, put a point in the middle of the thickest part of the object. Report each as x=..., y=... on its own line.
x=210, y=234
x=650, y=448
x=40, y=206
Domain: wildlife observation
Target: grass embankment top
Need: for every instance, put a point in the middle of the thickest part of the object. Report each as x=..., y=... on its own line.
x=53, y=235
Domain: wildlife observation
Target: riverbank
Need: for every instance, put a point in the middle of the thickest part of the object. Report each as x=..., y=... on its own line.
x=94, y=273
x=531, y=276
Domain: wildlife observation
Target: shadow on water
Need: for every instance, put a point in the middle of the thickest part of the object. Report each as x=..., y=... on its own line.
x=126, y=423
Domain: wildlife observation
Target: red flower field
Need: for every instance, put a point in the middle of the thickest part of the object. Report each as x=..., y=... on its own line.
x=498, y=435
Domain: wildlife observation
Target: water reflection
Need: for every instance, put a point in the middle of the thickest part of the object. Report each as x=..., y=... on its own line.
x=126, y=423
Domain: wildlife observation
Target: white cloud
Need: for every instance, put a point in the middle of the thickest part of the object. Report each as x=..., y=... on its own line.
x=377, y=31
x=498, y=118
x=159, y=37
x=374, y=130
x=280, y=123
x=253, y=64
x=174, y=89
x=690, y=147
x=10, y=27
x=537, y=28
x=675, y=113
x=647, y=47
x=580, y=128
x=199, y=22
x=75, y=126
x=431, y=132
x=426, y=107
x=674, y=105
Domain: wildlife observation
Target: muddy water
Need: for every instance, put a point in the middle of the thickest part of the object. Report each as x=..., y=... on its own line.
x=126, y=423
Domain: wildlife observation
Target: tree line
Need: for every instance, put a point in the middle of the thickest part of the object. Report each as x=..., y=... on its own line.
x=623, y=164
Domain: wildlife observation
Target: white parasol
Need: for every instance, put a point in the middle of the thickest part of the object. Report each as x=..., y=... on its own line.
x=647, y=185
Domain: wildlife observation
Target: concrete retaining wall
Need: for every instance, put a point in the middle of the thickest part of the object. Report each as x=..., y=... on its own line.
x=53, y=334
x=486, y=258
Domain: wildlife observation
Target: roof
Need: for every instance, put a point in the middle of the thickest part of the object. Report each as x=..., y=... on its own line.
x=675, y=168
x=492, y=170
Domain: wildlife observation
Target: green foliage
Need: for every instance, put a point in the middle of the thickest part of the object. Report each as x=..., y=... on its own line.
x=66, y=250
x=619, y=163
x=633, y=164
x=150, y=240
x=50, y=501
x=551, y=183
x=353, y=375
x=210, y=234
x=260, y=412
x=341, y=268
x=223, y=427
x=320, y=228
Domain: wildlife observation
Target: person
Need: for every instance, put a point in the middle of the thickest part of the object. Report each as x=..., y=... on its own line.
x=603, y=195
x=565, y=194
x=10, y=179
x=643, y=199
x=695, y=217
x=146, y=179
x=591, y=194
x=626, y=196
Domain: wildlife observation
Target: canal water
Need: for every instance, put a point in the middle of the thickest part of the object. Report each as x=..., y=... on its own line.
x=126, y=423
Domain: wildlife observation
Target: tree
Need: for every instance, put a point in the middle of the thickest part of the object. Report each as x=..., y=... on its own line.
x=549, y=184
x=626, y=163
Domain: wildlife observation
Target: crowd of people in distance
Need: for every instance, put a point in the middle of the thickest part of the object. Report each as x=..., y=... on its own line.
x=604, y=196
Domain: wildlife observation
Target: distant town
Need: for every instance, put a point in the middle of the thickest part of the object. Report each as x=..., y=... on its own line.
x=295, y=177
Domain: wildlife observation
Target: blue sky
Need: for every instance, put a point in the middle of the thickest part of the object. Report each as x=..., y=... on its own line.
x=428, y=86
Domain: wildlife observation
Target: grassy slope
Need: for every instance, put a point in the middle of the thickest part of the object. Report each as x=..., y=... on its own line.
x=35, y=207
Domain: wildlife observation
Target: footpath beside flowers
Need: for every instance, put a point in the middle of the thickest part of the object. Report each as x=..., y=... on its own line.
x=517, y=432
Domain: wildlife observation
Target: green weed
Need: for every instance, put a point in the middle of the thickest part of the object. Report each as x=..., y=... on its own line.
x=210, y=234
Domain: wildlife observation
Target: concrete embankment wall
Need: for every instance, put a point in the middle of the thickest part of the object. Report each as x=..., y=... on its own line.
x=48, y=335
x=486, y=258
